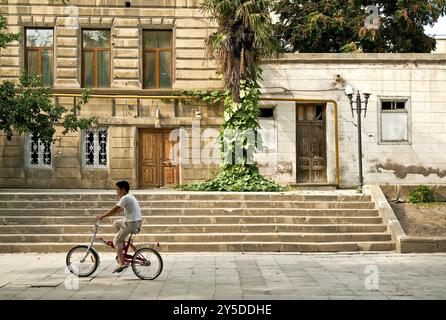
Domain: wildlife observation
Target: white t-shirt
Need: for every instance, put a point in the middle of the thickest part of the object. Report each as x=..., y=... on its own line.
x=132, y=210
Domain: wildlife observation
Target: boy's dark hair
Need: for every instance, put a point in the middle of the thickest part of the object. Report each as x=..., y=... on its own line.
x=123, y=185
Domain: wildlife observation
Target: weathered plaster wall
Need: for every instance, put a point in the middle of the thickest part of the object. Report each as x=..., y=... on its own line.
x=419, y=77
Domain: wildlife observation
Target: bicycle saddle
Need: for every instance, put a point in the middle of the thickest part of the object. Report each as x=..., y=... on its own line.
x=136, y=231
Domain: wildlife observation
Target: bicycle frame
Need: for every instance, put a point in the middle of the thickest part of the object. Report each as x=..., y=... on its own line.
x=128, y=244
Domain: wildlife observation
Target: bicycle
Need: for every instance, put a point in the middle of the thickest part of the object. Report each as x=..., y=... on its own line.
x=83, y=260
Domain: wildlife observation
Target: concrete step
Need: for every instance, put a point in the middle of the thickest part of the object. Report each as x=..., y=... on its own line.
x=191, y=204
x=244, y=246
x=195, y=212
x=307, y=235
x=208, y=196
x=194, y=228
x=194, y=221
x=83, y=220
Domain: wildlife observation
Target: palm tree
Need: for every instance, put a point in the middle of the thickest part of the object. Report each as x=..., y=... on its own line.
x=243, y=36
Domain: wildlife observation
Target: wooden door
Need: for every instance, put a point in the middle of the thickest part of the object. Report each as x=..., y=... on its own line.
x=158, y=159
x=311, y=144
x=169, y=160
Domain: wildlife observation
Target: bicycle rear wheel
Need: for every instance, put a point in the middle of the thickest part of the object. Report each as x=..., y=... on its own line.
x=82, y=263
x=147, y=264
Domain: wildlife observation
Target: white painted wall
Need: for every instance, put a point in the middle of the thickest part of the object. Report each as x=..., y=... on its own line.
x=419, y=77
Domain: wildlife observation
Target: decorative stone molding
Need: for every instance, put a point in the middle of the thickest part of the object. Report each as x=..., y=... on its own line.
x=38, y=21
x=88, y=22
x=157, y=22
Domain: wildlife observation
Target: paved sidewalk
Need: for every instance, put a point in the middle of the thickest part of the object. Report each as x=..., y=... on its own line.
x=234, y=276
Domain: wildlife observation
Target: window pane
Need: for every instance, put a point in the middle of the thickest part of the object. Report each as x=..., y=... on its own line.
x=89, y=148
x=401, y=105
x=164, y=39
x=96, y=39
x=319, y=112
x=103, y=69
x=89, y=69
x=46, y=153
x=150, y=40
x=32, y=62
x=301, y=113
x=39, y=38
x=34, y=149
x=157, y=39
x=165, y=81
x=103, y=147
x=386, y=105
x=310, y=113
x=47, y=68
x=149, y=70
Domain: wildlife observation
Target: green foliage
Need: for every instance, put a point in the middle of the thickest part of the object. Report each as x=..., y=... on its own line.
x=28, y=107
x=5, y=37
x=237, y=178
x=239, y=130
x=421, y=194
x=241, y=124
x=341, y=26
x=243, y=35
x=212, y=97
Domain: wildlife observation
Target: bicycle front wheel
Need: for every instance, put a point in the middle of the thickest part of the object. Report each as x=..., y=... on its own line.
x=147, y=264
x=81, y=262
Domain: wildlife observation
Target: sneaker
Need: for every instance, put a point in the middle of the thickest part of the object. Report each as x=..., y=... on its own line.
x=120, y=269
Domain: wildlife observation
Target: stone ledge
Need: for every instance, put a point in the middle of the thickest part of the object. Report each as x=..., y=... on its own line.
x=385, y=210
x=358, y=58
x=410, y=244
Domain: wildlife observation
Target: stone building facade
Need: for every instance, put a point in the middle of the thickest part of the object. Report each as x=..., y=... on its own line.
x=135, y=54
x=133, y=69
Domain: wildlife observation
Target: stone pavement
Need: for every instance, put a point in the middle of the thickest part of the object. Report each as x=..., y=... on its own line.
x=230, y=276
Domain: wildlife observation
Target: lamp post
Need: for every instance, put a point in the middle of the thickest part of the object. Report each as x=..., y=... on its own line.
x=359, y=108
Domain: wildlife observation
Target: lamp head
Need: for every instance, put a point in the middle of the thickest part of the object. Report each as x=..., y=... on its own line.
x=349, y=91
x=367, y=92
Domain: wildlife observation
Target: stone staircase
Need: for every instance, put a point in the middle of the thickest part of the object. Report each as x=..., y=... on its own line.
x=199, y=222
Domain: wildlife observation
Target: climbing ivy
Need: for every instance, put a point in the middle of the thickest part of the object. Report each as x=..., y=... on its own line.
x=238, y=142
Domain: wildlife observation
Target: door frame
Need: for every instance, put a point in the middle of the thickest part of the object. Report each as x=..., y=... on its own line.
x=324, y=105
x=139, y=150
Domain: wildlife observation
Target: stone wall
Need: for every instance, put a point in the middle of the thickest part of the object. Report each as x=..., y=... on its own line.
x=192, y=68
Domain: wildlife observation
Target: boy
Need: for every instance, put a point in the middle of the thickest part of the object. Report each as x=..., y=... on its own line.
x=131, y=223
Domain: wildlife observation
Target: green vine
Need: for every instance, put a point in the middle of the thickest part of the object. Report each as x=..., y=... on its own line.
x=238, y=142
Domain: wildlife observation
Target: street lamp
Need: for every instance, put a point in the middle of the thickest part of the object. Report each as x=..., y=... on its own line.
x=366, y=92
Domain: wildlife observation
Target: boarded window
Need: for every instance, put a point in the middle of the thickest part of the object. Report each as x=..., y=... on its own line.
x=394, y=119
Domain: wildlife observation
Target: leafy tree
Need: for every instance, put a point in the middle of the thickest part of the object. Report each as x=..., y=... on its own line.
x=351, y=25
x=6, y=37
x=27, y=106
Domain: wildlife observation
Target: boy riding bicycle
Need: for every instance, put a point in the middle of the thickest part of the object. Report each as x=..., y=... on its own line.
x=130, y=224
